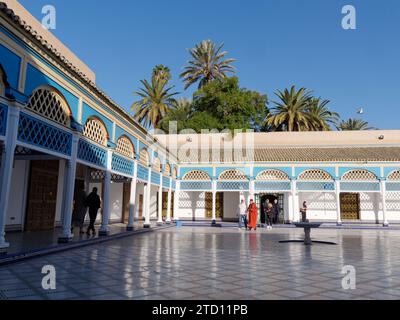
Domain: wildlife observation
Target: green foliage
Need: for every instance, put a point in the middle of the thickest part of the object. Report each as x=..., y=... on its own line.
x=207, y=64
x=354, y=124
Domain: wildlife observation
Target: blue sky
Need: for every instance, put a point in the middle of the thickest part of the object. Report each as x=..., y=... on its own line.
x=278, y=43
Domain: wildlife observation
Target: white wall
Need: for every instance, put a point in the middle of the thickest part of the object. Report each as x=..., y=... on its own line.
x=231, y=203
x=192, y=205
x=153, y=202
x=139, y=191
x=116, y=194
x=18, y=192
x=371, y=206
x=320, y=205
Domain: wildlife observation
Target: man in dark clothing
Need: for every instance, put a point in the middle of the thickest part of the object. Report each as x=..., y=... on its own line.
x=79, y=213
x=93, y=202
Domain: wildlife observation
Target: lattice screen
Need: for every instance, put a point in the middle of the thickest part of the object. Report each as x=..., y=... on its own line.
x=95, y=131
x=271, y=175
x=370, y=201
x=196, y=175
x=156, y=164
x=315, y=175
x=394, y=176
x=167, y=169
x=125, y=147
x=233, y=175
x=321, y=202
x=50, y=105
x=144, y=157
x=359, y=175
x=393, y=201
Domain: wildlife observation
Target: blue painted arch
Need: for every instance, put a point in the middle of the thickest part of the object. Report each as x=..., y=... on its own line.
x=374, y=170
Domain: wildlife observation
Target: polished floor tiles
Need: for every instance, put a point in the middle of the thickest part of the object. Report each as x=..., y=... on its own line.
x=216, y=263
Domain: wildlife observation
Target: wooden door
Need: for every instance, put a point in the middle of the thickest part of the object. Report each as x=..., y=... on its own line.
x=140, y=206
x=126, y=199
x=219, y=204
x=350, y=206
x=42, y=195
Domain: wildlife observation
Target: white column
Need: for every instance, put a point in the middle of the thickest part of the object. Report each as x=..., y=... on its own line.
x=104, y=229
x=169, y=202
x=160, y=192
x=383, y=197
x=132, y=198
x=294, y=200
x=251, y=192
x=69, y=188
x=214, y=201
x=337, y=194
x=176, y=199
x=6, y=171
x=147, y=194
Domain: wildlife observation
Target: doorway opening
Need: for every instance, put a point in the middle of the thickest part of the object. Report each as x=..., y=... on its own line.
x=263, y=199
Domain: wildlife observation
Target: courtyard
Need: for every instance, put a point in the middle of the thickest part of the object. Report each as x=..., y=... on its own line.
x=191, y=263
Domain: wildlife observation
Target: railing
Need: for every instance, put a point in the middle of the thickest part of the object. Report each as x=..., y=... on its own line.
x=233, y=185
x=360, y=186
x=166, y=181
x=92, y=153
x=324, y=186
x=143, y=172
x=38, y=133
x=155, y=178
x=272, y=185
x=392, y=186
x=122, y=165
x=196, y=185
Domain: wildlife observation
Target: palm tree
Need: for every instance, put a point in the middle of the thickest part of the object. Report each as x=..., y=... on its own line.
x=162, y=73
x=354, y=124
x=322, y=117
x=208, y=64
x=156, y=101
x=291, y=113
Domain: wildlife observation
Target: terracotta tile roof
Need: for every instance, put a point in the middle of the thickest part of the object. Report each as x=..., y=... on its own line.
x=303, y=154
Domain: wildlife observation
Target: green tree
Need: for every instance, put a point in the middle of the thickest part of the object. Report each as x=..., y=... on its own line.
x=291, y=113
x=156, y=99
x=161, y=73
x=354, y=124
x=321, y=117
x=208, y=63
x=233, y=107
x=180, y=112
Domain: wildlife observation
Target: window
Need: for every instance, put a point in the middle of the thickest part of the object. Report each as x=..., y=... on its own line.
x=95, y=130
x=125, y=147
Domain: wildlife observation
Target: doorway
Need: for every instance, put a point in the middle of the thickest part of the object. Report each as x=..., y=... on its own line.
x=350, y=206
x=42, y=195
x=261, y=201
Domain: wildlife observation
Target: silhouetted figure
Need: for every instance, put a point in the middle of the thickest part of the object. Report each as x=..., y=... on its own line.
x=80, y=208
x=93, y=202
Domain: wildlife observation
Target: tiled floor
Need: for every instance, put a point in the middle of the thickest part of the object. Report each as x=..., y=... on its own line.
x=216, y=263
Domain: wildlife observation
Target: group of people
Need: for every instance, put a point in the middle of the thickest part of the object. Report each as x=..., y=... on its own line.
x=248, y=216
x=81, y=205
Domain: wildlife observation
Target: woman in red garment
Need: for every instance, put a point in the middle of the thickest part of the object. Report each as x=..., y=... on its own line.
x=253, y=215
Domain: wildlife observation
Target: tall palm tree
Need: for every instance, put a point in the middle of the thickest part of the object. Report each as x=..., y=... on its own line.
x=322, y=117
x=156, y=101
x=162, y=73
x=354, y=124
x=208, y=63
x=291, y=113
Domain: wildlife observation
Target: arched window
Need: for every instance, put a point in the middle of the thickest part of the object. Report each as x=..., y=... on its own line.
x=47, y=102
x=156, y=164
x=196, y=175
x=167, y=169
x=95, y=130
x=144, y=157
x=394, y=176
x=125, y=147
x=230, y=175
x=359, y=175
x=315, y=175
x=271, y=175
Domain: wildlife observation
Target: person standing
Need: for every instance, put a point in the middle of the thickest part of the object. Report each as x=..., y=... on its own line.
x=79, y=213
x=303, y=211
x=253, y=215
x=269, y=215
x=93, y=202
x=275, y=211
x=242, y=215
